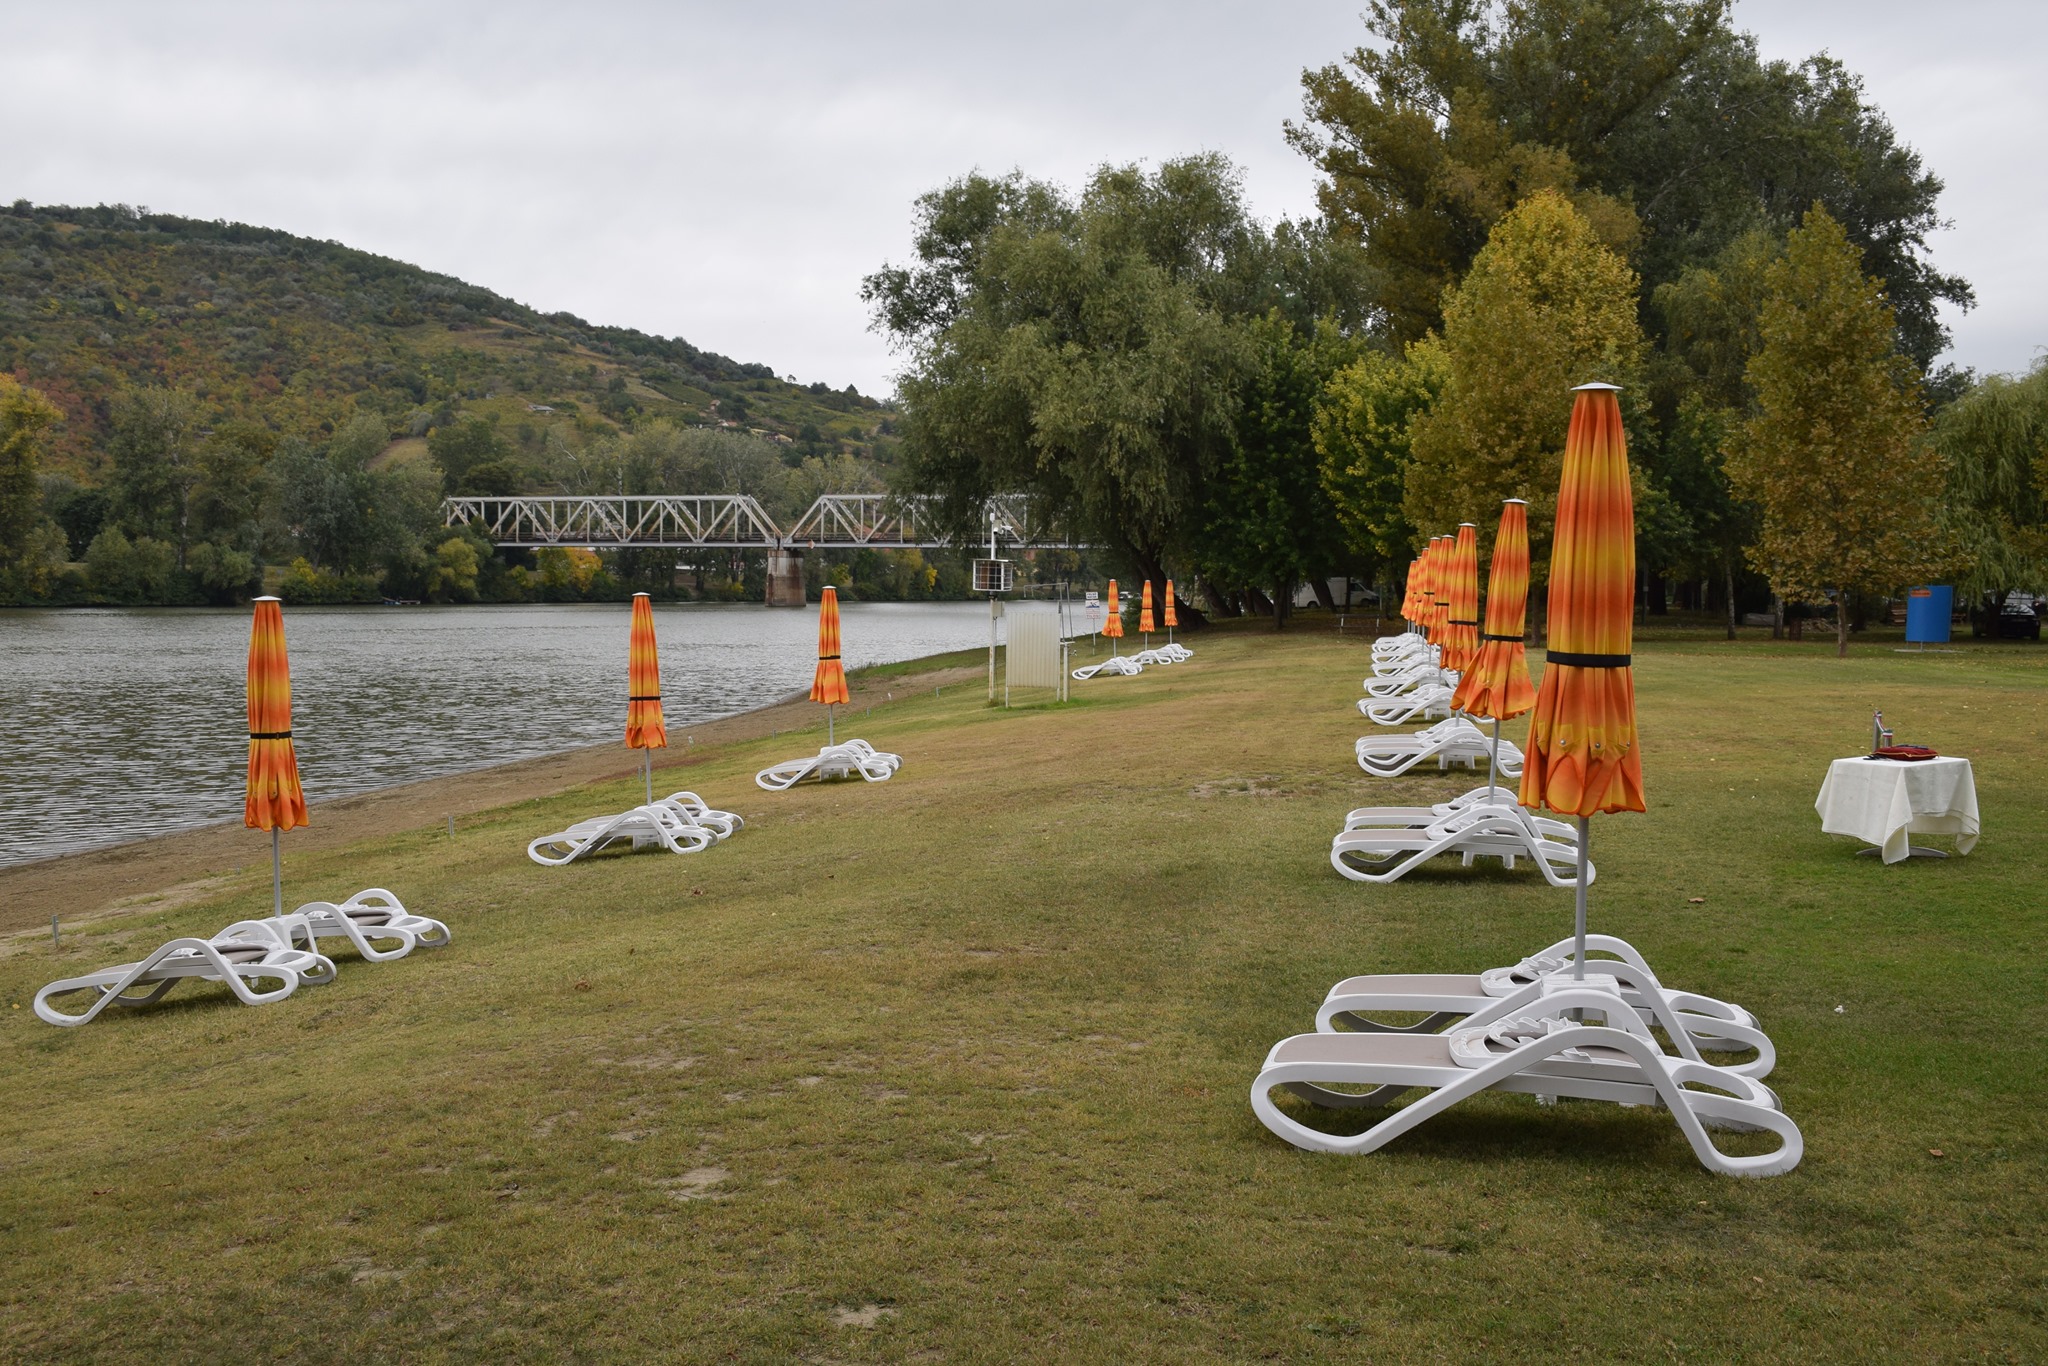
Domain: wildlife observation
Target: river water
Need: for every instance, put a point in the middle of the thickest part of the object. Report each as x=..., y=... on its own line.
x=120, y=724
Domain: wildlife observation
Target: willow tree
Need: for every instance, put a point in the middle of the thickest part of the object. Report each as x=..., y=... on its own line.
x=1546, y=306
x=1092, y=351
x=1996, y=441
x=1836, y=452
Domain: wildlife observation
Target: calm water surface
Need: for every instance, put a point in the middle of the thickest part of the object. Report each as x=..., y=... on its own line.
x=116, y=725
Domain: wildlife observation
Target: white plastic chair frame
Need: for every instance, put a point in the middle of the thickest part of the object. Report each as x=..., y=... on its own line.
x=1124, y=665
x=689, y=804
x=847, y=759
x=1696, y=1024
x=370, y=916
x=1389, y=756
x=1384, y=844
x=246, y=952
x=642, y=826
x=1546, y=1054
x=1408, y=680
x=1426, y=703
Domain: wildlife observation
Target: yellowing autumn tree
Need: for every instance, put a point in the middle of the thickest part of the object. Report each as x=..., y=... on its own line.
x=1546, y=306
x=1836, y=451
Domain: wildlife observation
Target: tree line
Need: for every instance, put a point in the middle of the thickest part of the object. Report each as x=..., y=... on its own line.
x=1514, y=199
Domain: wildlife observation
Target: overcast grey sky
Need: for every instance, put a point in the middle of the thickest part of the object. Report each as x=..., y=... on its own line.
x=728, y=173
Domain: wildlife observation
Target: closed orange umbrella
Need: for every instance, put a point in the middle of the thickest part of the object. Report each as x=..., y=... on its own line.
x=1433, y=589
x=1582, y=755
x=1145, y=614
x=1113, y=620
x=1411, y=591
x=828, y=684
x=644, y=728
x=1171, y=619
x=1461, y=608
x=1496, y=684
x=273, y=801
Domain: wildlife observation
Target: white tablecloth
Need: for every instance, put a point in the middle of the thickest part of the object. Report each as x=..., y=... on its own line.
x=1883, y=801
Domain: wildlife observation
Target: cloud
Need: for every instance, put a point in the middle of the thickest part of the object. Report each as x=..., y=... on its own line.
x=729, y=173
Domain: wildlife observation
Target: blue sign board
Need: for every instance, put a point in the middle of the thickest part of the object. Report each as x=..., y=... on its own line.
x=1928, y=610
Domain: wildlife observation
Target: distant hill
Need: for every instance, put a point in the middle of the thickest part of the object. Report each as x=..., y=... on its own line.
x=299, y=334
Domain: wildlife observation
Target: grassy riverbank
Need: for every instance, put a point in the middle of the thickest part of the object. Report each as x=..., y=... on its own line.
x=957, y=1064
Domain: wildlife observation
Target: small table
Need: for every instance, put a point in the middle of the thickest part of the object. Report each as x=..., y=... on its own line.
x=1883, y=801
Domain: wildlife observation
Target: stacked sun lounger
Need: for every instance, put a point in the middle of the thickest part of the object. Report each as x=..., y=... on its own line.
x=277, y=949
x=1543, y=1027
x=846, y=759
x=680, y=823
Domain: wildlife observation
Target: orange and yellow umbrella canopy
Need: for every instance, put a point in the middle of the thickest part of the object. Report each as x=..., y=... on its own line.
x=1461, y=604
x=1145, y=610
x=1582, y=756
x=1497, y=683
x=1411, y=591
x=1171, y=619
x=828, y=684
x=644, y=728
x=274, y=800
x=1112, y=619
x=1435, y=586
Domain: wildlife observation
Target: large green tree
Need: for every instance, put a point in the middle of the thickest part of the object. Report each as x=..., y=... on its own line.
x=1546, y=306
x=1836, y=454
x=1996, y=440
x=1361, y=431
x=1092, y=350
x=1652, y=115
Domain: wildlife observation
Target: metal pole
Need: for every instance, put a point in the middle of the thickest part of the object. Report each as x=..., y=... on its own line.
x=276, y=876
x=991, y=640
x=828, y=720
x=647, y=772
x=1579, y=925
x=1493, y=764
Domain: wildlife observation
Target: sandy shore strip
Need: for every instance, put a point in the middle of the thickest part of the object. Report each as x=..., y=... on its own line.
x=171, y=870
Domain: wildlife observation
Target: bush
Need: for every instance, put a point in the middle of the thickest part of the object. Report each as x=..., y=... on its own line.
x=124, y=571
x=222, y=574
x=303, y=584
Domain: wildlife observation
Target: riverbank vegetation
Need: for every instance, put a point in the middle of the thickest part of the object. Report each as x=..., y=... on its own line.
x=1515, y=199
x=956, y=1065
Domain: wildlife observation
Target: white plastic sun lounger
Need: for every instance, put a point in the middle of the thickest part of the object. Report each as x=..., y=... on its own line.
x=1696, y=1024
x=371, y=916
x=1125, y=665
x=1426, y=703
x=1393, y=661
x=1157, y=655
x=1408, y=680
x=1540, y=1053
x=689, y=804
x=244, y=953
x=1384, y=844
x=1173, y=652
x=1389, y=756
x=847, y=759
x=643, y=827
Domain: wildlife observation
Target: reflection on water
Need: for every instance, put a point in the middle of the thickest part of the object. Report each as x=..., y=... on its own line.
x=115, y=725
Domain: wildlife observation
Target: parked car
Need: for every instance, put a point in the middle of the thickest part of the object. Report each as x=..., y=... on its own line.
x=2018, y=617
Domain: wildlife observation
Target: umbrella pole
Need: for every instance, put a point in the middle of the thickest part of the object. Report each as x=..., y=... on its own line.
x=828, y=725
x=1493, y=764
x=1579, y=922
x=276, y=876
x=647, y=772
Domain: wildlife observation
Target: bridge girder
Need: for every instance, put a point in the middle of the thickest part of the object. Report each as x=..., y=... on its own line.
x=836, y=521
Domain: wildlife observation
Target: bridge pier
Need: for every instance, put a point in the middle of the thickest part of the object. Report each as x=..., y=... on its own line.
x=785, y=578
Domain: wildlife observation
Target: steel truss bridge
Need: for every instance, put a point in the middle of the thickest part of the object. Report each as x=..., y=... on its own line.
x=837, y=521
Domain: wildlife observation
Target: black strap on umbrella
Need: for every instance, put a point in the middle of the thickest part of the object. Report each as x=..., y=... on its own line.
x=270, y=735
x=1579, y=661
x=1461, y=623
x=656, y=697
x=1493, y=637
x=826, y=657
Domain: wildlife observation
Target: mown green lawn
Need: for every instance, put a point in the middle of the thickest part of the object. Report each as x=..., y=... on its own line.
x=955, y=1067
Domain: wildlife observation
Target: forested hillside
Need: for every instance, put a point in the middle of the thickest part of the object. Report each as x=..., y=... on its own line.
x=190, y=411
x=300, y=335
